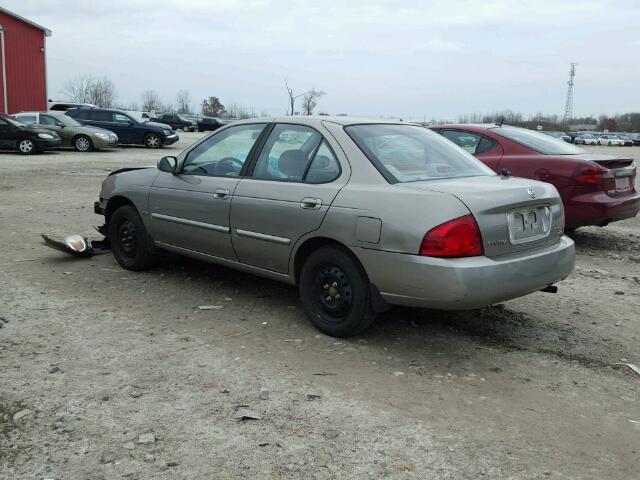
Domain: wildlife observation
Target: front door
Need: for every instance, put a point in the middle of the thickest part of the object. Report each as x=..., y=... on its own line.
x=190, y=209
x=51, y=123
x=295, y=179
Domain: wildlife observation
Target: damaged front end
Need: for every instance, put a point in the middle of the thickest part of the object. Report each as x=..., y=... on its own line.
x=78, y=246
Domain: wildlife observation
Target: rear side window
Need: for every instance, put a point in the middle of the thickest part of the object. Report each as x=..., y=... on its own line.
x=27, y=118
x=82, y=115
x=100, y=116
x=407, y=153
x=287, y=153
x=324, y=167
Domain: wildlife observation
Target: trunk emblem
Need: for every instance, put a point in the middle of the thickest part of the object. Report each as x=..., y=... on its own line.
x=531, y=193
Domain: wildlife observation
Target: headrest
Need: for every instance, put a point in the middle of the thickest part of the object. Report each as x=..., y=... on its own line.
x=292, y=163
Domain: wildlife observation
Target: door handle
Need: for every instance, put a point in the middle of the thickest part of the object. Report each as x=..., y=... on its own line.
x=311, y=203
x=221, y=193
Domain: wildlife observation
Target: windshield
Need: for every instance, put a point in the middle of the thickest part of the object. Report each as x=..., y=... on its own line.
x=406, y=153
x=537, y=141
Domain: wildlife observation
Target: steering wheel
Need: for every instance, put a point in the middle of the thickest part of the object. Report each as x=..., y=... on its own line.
x=225, y=165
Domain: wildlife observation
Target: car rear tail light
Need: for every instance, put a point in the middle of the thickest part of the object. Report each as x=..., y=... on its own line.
x=589, y=175
x=459, y=237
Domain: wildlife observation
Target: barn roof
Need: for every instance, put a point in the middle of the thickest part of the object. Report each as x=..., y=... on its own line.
x=46, y=31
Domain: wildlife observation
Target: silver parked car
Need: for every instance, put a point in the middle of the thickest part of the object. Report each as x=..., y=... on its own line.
x=358, y=214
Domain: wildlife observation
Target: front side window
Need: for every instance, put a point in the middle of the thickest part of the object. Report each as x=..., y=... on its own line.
x=48, y=120
x=471, y=142
x=287, y=153
x=407, y=153
x=224, y=153
x=538, y=142
x=121, y=118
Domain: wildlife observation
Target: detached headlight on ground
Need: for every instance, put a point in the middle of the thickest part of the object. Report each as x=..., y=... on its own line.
x=48, y=136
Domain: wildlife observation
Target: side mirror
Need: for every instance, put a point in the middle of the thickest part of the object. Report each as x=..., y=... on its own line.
x=130, y=123
x=168, y=164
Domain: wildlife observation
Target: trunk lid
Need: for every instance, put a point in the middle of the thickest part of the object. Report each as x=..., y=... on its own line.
x=513, y=214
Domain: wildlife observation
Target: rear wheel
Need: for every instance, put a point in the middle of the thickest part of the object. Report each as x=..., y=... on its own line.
x=130, y=243
x=82, y=143
x=152, y=140
x=336, y=293
x=27, y=146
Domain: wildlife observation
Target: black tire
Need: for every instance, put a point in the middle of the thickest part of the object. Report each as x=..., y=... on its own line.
x=82, y=143
x=131, y=245
x=26, y=146
x=185, y=129
x=151, y=140
x=335, y=292
x=599, y=142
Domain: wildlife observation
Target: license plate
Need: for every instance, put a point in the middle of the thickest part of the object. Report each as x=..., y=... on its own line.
x=623, y=184
x=529, y=224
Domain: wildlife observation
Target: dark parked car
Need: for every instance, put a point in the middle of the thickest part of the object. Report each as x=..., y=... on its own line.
x=559, y=136
x=26, y=139
x=177, y=122
x=129, y=130
x=595, y=189
x=209, y=124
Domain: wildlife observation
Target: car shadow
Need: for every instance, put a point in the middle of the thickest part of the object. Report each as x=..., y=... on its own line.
x=605, y=240
x=412, y=332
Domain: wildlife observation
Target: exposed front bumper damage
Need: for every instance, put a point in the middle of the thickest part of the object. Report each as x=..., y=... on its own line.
x=78, y=246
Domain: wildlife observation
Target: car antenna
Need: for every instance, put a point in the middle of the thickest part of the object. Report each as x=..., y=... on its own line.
x=505, y=172
x=500, y=122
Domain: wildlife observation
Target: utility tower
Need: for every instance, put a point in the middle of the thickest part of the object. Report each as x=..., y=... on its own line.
x=568, y=106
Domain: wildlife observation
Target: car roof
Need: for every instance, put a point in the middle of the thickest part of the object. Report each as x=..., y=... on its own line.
x=318, y=119
x=53, y=113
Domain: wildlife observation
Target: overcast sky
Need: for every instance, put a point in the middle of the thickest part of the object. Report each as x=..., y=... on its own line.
x=404, y=58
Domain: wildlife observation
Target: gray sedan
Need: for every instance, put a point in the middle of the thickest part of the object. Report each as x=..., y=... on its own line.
x=73, y=134
x=358, y=214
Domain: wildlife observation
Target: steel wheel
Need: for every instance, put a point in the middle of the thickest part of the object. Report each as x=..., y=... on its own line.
x=152, y=141
x=333, y=291
x=26, y=146
x=131, y=245
x=127, y=238
x=82, y=144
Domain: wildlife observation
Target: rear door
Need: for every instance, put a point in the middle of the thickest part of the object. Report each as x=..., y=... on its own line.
x=294, y=181
x=485, y=149
x=190, y=209
x=7, y=134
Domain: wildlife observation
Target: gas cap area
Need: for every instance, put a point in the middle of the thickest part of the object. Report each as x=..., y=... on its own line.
x=368, y=229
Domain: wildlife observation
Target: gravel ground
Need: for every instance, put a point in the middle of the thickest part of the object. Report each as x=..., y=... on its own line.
x=107, y=374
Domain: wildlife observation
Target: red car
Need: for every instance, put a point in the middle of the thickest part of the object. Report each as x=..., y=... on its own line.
x=595, y=189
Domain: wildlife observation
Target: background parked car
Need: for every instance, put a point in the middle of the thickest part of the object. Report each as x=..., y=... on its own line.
x=559, y=135
x=138, y=115
x=595, y=189
x=626, y=139
x=73, y=134
x=64, y=106
x=610, y=140
x=129, y=130
x=585, y=139
x=635, y=137
x=177, y=122
x=209, y=124
x=27, y=139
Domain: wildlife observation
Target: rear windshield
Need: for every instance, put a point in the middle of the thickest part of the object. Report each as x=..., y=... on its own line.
x=538, y=141
x=406, y=153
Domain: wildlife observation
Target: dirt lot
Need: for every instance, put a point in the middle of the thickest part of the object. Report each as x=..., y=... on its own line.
x=93, y=359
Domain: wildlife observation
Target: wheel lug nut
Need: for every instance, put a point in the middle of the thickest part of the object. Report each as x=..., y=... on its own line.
x=328, y=298
x=337, y=296
x=334, y=284
x=326, y=286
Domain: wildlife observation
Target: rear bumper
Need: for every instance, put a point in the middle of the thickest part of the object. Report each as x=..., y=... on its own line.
x=598, y=208
x=465, y=283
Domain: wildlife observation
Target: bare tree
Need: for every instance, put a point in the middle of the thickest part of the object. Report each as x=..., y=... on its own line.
x=292, y=98
x=212, y=107
x=183, y=101
x=310, y=100
x=151, y=101
x=87, y=89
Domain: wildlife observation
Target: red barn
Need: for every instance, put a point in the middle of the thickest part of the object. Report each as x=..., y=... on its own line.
x=23, y=69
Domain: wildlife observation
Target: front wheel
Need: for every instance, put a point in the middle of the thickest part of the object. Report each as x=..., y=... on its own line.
x=130, y=243
x=27, y=147
x=82, y=143
x=152, y=141
x=335, y=292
